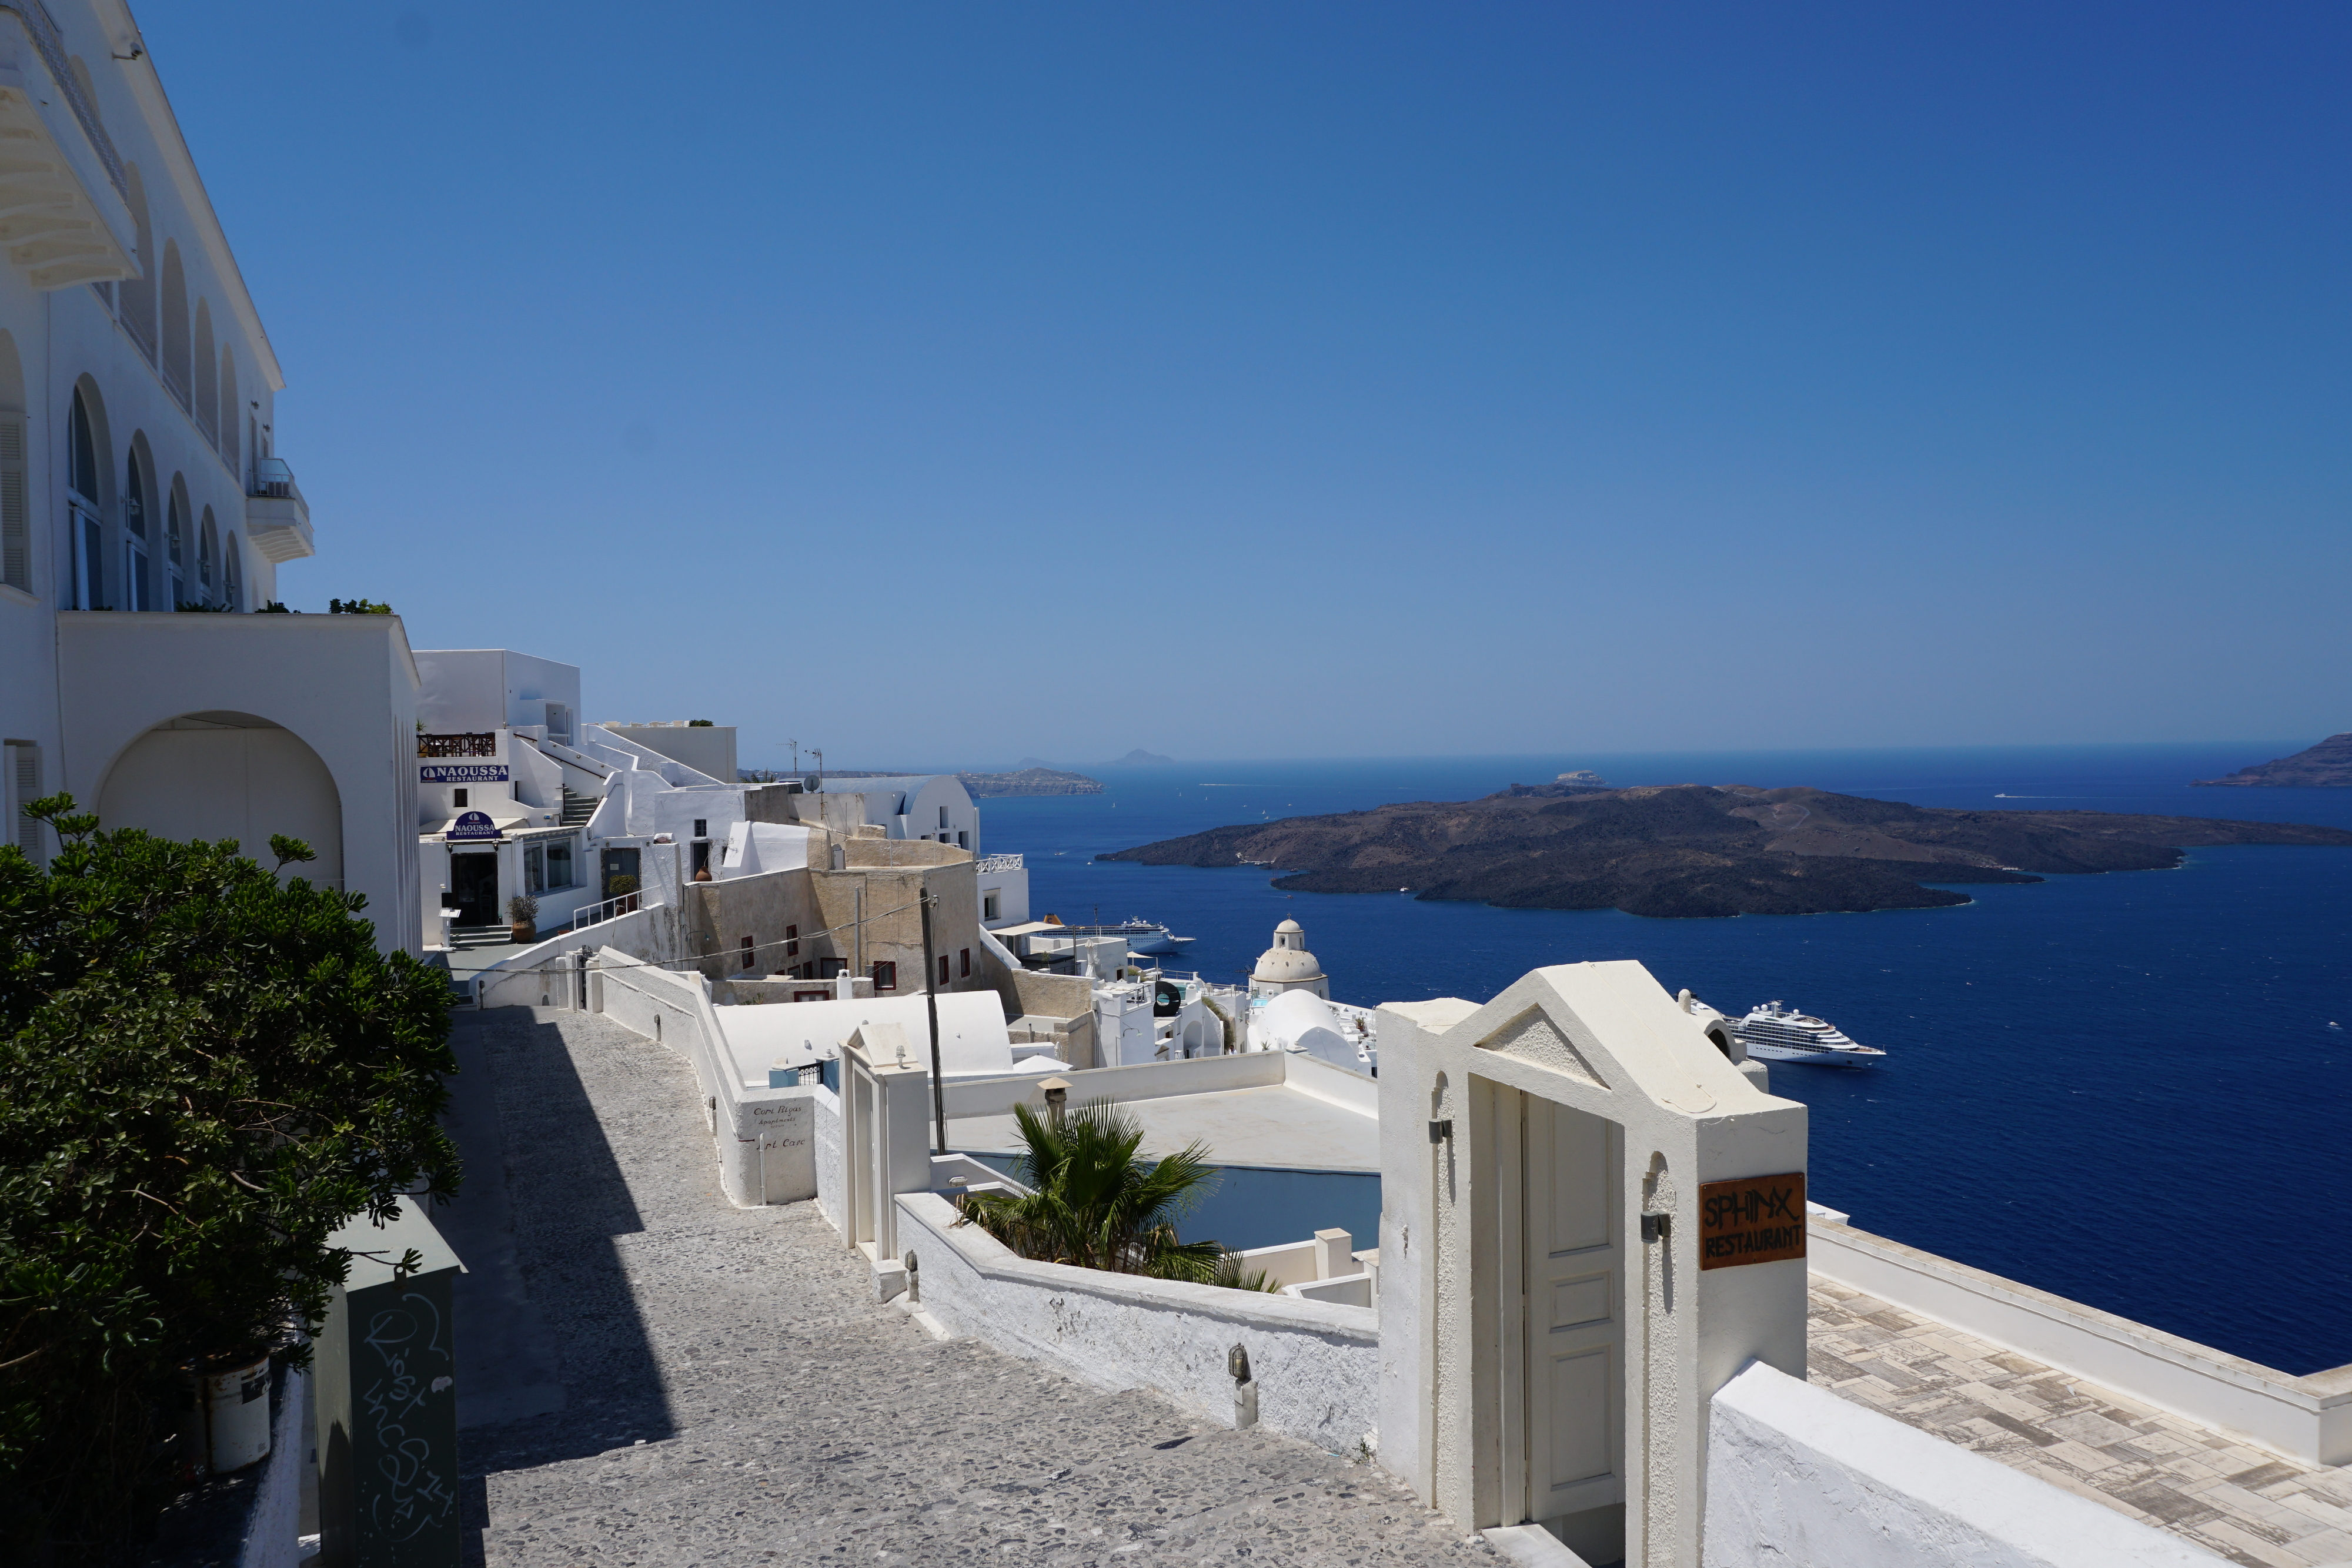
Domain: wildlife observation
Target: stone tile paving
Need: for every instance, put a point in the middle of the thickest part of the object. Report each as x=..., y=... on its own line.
x=733, y=1394
x=2244, y=1503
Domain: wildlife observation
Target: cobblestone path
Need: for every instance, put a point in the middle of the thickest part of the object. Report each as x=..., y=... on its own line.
x=731, y=1395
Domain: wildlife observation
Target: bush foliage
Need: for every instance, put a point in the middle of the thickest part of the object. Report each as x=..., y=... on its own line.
x=204, y=1072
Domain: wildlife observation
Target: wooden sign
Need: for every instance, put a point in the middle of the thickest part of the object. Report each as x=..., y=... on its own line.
x=1751, y=1219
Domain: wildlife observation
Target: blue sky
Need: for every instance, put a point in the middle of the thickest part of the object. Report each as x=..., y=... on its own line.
x=951, y=383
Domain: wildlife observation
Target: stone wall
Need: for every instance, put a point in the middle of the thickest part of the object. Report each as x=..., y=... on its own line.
x=1315, y=1364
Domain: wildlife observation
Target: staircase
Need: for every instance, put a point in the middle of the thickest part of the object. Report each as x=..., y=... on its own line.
x=577, y=807
x=479, y=936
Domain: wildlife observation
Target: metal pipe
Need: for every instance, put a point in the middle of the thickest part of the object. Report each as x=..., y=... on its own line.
x=931, y=1005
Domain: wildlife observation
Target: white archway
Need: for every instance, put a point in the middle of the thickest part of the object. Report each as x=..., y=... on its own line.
x=228, y=776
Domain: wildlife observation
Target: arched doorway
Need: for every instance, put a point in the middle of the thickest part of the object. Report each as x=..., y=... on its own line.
x=229, y=776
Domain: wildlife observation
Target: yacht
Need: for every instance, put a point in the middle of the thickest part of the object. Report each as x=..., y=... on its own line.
x=1773, y=1033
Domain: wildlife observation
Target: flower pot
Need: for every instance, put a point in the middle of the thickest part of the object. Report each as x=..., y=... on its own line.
x=523, y=932
x=224, y=1419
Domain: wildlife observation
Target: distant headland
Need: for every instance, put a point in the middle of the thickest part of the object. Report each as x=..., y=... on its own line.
x=1695, y=849
x=2327, y=766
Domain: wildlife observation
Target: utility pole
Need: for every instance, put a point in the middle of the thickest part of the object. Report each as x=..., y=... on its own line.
x=858, y=948
x=931, y=1005
x=796, y=754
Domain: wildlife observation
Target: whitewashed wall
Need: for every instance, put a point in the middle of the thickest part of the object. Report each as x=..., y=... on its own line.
x=1316, y=1365
x=1796, y=1476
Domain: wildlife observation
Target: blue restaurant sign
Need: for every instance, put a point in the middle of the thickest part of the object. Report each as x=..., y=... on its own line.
x=473, y=825
x=462, y=773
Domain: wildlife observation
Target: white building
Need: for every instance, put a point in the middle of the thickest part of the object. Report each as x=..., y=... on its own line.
x=137, y=475
x=934, y=806
x=1287, y=965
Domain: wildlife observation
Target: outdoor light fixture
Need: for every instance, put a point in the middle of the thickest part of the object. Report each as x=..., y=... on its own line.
x=1441, y=1132
x=1657, y=1227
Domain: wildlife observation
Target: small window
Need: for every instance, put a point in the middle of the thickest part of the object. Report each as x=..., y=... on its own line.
x=989, y=905
x=459, y=797
x=966, y=961
x=885, y=977
x=701, y=827
x=943, y=817
x=748, y=951
x=943, y=968
x=791, y=941
x=963, y=840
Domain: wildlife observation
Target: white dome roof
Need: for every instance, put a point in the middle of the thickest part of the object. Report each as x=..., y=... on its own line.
x=1291, y=926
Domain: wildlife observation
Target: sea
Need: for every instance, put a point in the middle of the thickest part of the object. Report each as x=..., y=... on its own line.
x=2130, y=1089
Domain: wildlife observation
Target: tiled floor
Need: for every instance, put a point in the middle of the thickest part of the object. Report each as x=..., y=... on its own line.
x=2249, y=1506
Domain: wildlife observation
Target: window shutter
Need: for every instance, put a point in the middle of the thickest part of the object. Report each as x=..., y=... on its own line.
x=27, y=769
x=15, y=518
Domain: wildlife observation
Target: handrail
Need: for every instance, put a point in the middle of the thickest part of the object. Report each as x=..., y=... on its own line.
x=273, y=479
x=996, y=864
x=42, y=28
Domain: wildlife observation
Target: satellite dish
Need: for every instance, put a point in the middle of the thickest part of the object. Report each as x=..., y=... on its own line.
x=811, y=784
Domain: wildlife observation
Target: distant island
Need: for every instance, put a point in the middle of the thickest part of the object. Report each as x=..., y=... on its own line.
x=1695, y=849
x=1029, y=781
x=2327, y=766
x=1138, y=757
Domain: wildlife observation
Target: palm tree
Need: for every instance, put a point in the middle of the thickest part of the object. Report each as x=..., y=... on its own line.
x=1094, y=1204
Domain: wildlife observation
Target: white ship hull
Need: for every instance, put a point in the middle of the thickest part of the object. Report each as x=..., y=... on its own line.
x=1773, y=1033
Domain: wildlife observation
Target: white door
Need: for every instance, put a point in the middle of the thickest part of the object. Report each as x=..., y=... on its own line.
x=1575, y=1313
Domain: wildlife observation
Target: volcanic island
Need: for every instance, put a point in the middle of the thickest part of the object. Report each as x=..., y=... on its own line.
x=1697, y=850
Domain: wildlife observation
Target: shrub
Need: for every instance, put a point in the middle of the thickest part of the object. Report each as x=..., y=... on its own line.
x=204, y=1072
x=357, y=607
x=522, y=908
x=1095, y=1204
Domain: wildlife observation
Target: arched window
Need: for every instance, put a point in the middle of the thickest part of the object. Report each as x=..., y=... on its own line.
x=176, y=550
x=16, y=496
x=231, y=413
x=232, y=579
x=207, y=550
x=205, y=385
x=139, y=293
x=86, y=483
x=82, y=458
x=175, y=323
x=137, y=590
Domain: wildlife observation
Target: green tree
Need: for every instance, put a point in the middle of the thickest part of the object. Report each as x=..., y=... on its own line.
x=1093, y=1203
x=204, y=1072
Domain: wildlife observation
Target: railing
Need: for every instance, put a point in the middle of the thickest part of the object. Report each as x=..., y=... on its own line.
x=174, y=384
x=271, y=476
x=996, y=865
x=611, y=909
x=484, y=744
x=44, y=30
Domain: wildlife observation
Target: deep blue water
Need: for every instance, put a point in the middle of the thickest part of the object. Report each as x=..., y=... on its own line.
x=2123, y=1088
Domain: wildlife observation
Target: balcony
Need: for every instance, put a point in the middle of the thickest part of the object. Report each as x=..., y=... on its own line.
x=277, y=517
x=64, y=218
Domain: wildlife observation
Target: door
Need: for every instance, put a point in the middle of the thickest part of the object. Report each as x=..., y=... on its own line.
x=620, y=863
x=1575, y=1314
x=474, y=888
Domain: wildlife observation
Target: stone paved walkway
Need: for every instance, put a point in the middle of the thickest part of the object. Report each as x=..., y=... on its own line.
x=2249, y=1506
x=731, y=1395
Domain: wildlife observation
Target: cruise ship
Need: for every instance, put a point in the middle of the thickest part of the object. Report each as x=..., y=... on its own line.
x=1773, y=1033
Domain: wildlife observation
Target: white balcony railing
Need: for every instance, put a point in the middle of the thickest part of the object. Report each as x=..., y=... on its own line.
x=997, y=864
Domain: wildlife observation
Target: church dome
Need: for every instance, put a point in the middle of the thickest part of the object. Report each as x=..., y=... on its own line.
x=1288, y=962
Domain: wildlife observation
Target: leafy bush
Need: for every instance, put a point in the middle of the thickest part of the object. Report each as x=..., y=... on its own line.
x=620, y=884
x=204, y=1074
x=357, y=607
x=522, y=909
x=1095, y=1204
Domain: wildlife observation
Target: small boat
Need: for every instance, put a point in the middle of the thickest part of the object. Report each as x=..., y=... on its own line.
x=1773, y=1033
x=1143, y=937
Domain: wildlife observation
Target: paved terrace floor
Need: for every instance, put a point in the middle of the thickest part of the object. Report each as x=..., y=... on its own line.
x=2249, y=1506
x=653, y=1376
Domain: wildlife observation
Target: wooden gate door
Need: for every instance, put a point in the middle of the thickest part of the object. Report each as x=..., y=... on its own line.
x=1574, y=1263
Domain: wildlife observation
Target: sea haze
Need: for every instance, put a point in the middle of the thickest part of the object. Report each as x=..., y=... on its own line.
x=2126, y=1089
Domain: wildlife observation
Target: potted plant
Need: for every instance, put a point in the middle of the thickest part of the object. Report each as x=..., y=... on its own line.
x=522, y=910
x=624, y=888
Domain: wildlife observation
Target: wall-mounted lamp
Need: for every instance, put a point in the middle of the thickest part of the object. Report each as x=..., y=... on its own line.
x=1442, y=1132
x=1657, y=1227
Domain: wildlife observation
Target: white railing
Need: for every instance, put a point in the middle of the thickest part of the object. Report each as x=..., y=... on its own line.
x=997, y=864
x=610, y=909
